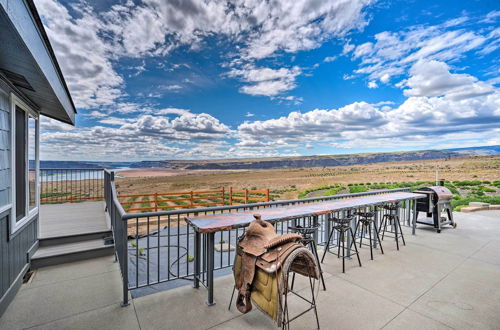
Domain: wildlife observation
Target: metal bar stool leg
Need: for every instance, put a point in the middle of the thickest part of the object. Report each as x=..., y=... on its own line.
x=401, y=231
x=315, y=252
x=327, y=247
x=362, y=233
x=343, y=250
x=355, y=233
x=313, y=300
x=370, y=235
x=396, y=232
x=357, y=253
x=293, y=282
x=340, y=243
x=378, y=238
x=231, y=301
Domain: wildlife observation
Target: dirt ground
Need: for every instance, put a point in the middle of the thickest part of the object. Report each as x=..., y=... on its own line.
x=292, y=181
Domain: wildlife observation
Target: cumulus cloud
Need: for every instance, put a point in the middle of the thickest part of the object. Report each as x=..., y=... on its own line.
x=440, y=105
x=266, y=81
x=393, y=53
x=138, y=138
x=314, y=125
x=49, y=124
x=85, y=58
x=148, y=28
x=433, y=78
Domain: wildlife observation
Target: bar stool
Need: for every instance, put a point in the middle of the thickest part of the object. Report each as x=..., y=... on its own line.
x=366, y=221
x=393, y=219
x=307, y=232
x=343, y=227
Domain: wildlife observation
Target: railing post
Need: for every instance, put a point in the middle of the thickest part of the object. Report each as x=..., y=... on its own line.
x=230, y=195
x=407, y=211
x=267, y=195
x=246, y=196
x=191, y=199
x=223, y=196
x=124, y=261
x=156, y=202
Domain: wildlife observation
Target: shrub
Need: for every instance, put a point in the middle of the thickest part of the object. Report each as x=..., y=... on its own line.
x=357, y=189
x=334, y=191
x=459, y=208
x=466, y=200
x=467, y=183
x=452, y=188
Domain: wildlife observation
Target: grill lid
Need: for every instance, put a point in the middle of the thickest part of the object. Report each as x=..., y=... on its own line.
x=440, y=191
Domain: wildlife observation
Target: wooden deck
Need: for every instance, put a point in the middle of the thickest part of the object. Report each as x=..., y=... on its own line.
x=58, y=220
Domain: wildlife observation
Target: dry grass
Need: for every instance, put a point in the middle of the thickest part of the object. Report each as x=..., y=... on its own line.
x=296, y=180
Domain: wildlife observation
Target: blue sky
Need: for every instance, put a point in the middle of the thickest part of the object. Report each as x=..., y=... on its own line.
x=218, y=79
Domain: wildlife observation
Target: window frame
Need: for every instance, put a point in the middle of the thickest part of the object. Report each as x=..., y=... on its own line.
x=17, y=103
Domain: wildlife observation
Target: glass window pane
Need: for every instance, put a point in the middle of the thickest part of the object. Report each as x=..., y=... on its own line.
x=20, y=162
x=32, y=162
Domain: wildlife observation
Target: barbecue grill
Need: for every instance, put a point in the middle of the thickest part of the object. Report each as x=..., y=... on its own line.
x=437, y=201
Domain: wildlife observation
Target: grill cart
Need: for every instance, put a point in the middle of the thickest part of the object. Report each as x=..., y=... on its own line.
x=437, y=201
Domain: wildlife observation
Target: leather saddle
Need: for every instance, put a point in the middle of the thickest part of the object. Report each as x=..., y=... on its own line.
x=262, y=258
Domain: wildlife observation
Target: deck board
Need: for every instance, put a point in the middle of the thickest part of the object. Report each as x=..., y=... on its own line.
x=72, y=219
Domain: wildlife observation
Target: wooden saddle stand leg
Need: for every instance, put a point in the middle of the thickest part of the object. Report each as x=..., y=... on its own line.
x=262, y=265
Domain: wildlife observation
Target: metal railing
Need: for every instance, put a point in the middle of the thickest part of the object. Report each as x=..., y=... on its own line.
x=158, y=247
x=69, y=185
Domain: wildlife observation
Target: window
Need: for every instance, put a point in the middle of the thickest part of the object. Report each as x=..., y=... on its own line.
x=20, y=163
x=32, y=150
x=24, y=164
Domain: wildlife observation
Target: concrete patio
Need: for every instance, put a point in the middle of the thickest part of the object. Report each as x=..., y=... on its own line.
x=436, y=281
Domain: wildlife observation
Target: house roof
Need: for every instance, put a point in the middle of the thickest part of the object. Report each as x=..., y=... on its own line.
x=28, y=61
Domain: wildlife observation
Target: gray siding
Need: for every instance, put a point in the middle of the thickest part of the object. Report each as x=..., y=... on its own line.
x=5, y=175
x=14, y=249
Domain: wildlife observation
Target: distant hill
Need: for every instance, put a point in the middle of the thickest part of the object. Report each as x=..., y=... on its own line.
x=478, y=151
x=286, y=162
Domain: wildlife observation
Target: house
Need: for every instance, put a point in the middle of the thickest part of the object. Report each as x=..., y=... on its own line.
x=31, y=85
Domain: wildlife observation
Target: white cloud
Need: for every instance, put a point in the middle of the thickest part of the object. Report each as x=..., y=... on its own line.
x=49, y=124
x=116, y=121
x=171, y=111
x=385, y=78
x=96, y=114
x=84, y=57
x=433, y=78
x=144, y=137
x=266, y=81
x=314, y=125
x=173, y=87
x=291, y=26
x=372, y=84
x=393, y=53
x=249, y=114
x=261, y=29
x=441, y=106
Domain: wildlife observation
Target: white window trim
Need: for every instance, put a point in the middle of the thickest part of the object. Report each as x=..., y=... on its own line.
x=16, y=225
